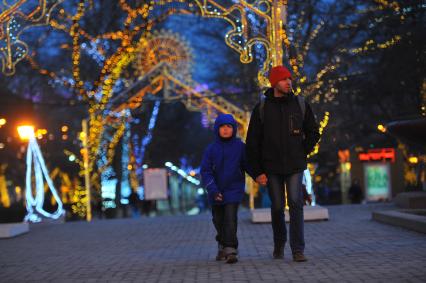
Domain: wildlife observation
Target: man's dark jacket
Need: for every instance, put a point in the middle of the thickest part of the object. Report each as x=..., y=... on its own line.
x=280, y=142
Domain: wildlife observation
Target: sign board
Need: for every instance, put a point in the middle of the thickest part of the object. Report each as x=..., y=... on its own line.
x=155, y=183
x=377, y=181
x=380, y=154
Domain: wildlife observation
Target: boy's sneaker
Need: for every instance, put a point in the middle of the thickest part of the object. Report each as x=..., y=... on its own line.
x=278, y=252
x=299, y=257
x=231, y=258
x=221, y=255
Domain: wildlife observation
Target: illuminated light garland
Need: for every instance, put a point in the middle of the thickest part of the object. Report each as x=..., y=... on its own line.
x=108, y=142
x=14, y=20
x=139, y=151
x=4, y=194
x=36, y=204
x=204, y=120
x=66, y=185
x=107, y=151
x=387, y=4
x=72, y=192
x=97, y=109
x=370, y=45
x=92, y=49
x=134, y=182
x=79, y=199
x=323, y=124
x=75, y=33
x=182, y=173
x=125, y=162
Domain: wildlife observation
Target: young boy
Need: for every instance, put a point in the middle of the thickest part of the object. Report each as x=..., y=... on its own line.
x=222, y=173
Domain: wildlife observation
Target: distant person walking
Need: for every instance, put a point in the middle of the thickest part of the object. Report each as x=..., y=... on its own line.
x=355, y=192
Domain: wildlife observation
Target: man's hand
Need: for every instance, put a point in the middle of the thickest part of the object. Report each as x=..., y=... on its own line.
x=262, y=180
x=218, y=197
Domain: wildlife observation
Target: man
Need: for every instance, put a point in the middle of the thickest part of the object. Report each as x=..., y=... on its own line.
x=282, y=132
x=355, y=192
x=134, y=204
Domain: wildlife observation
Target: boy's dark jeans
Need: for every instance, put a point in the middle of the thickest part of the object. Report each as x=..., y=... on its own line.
x=293, y=184
x=225, y=220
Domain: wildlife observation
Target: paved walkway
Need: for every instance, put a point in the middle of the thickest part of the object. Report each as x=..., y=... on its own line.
x=350, y=247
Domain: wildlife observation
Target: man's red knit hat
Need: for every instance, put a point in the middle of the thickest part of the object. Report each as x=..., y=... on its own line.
x=277, y=74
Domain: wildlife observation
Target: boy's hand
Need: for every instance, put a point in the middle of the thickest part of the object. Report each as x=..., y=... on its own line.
x=218, y=197
x=262, y=180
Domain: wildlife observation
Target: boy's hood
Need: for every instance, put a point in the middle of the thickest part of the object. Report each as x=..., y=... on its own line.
x=223, y=119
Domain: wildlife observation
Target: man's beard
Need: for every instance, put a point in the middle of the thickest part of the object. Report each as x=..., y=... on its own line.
x=283, y=93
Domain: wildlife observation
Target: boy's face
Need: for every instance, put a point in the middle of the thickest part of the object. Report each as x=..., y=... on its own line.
x=226, y=131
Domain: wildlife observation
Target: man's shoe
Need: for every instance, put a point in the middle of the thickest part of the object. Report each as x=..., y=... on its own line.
x=299, y=257
x=278, y=252
x=231, y=258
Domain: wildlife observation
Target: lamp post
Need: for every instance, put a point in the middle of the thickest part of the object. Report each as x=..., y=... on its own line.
x=35, y=204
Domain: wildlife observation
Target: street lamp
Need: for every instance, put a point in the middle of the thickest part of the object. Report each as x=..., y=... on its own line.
x=26, y=132
x=381, y=128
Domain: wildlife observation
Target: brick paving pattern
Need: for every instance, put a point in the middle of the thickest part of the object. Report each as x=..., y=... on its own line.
x=350, y=247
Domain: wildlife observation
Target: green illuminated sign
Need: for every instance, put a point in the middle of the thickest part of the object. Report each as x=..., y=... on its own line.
x=377, y=181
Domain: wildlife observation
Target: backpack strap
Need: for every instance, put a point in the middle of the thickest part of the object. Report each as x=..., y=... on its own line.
x=302, y=105
x=262, y=110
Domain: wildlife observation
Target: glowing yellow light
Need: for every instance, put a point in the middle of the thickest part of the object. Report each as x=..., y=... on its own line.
x=129, y=167
x=82, y=136
x=192, y=173
x=348, y=166
x=413, y=160
x=381, y=128
x=26, y=132
x=40, y=132
x=64, y=128
x=2, y=122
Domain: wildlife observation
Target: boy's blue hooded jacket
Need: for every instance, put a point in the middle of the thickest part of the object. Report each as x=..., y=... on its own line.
x=223, y=165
